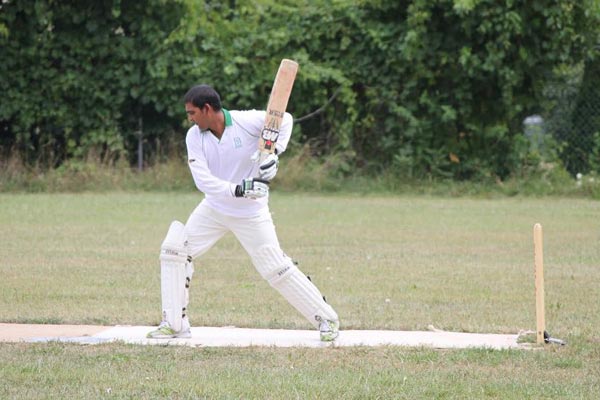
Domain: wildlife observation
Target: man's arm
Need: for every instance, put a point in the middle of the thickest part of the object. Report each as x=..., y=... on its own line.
x=252, y=121
x=210, y=185
x=285, y=133
x=205, y=181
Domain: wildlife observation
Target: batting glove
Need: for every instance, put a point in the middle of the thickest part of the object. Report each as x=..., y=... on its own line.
x=268, y=168
x=252, y=188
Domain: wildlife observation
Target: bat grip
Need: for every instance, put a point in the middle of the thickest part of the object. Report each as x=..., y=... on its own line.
x=262, y=156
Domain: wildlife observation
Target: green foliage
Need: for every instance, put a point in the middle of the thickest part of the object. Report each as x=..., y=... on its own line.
x=77, y=77
x=419, y=89
x=300, y=172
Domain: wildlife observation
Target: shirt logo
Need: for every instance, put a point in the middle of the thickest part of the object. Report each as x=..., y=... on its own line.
x=237, y=142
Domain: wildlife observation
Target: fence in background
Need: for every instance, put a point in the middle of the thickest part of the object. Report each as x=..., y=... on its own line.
x=569, y=124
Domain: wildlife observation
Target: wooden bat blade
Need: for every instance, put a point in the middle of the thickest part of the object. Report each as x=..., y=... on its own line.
x=278, y=100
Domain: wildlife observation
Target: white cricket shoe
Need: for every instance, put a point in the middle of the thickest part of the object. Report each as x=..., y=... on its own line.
x=164, y=331
x=329, y=330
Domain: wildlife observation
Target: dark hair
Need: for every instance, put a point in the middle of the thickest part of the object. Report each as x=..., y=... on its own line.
x=199, y=95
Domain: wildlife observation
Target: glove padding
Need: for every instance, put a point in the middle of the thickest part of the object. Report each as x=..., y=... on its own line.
x=252, y=188
x=268, y=168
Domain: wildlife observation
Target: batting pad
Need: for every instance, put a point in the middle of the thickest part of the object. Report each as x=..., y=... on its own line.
x=173, y=258
x=282, y=274
x=246, y=337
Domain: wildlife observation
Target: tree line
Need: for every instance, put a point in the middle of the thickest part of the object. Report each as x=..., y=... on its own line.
x=417, y=88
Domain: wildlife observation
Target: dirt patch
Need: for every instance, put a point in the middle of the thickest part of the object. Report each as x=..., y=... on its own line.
x=20, y=332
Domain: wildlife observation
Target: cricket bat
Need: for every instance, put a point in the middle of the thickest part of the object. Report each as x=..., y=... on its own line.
x=278, y=100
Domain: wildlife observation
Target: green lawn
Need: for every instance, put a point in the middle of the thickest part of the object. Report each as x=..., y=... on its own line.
x=383, y=262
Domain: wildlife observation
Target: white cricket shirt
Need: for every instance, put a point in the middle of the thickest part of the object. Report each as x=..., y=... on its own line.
x=218, y=166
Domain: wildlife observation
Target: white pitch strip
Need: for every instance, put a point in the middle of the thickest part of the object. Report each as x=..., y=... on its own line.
x=246, y=337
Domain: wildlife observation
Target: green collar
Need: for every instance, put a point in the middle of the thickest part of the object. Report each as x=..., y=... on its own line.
x=227, y=115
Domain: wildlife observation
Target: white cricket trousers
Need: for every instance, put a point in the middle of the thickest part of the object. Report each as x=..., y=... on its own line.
x=206, y=226
x=256, y=234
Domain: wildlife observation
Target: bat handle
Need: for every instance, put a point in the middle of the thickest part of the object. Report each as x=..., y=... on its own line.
x=262, y=156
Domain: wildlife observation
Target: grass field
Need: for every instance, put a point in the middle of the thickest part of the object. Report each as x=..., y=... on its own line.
x=383, y=262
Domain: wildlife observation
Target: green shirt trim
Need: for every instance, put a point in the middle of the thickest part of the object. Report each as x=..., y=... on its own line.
x=228, y=121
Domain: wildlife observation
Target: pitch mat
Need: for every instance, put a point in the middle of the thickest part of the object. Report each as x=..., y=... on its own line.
x=245, y=337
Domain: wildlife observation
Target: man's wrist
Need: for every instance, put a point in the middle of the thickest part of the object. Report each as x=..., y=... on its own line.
x=235, y=189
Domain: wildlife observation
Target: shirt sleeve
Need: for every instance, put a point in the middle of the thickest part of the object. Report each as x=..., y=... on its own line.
x=205, y=181
x=253, y=121
x=285, y=133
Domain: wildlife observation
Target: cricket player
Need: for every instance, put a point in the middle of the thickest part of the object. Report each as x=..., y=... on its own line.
x=222, y=157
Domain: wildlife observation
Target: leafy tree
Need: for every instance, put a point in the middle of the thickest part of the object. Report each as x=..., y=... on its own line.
x=419, y=88
x=80, y=76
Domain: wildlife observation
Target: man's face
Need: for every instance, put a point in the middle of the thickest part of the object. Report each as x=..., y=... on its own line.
x=197, y=115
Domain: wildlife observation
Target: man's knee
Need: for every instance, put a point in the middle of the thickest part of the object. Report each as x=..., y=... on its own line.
x=272, y=264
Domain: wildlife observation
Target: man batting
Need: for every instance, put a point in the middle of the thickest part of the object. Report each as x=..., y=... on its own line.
x=222, y=156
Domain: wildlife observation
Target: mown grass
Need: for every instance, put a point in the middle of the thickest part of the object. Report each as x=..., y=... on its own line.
x=124, y=371
x=384, y=262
